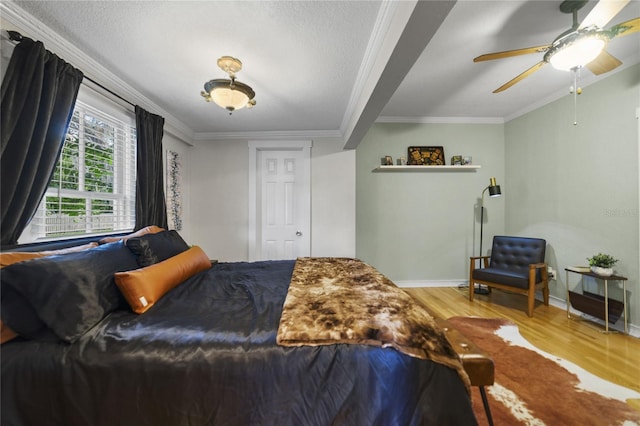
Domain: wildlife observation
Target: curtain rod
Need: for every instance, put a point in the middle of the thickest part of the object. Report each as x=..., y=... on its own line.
x=16, y=36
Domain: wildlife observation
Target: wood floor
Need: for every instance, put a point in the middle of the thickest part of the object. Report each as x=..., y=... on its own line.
x=614, y=357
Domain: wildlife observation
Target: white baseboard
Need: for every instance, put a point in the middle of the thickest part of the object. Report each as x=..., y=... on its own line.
x=634, y=330
x=431, y=283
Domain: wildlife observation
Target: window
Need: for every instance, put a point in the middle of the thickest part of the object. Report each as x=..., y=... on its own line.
x=93, y=186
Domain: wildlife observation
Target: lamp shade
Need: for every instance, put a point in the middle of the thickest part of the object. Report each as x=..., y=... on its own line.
x=494, y=191
x=494, y=188
x=228, y=94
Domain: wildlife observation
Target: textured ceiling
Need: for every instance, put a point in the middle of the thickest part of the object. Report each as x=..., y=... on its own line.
x=445, y=82
x=313, y=64
x=292, y=53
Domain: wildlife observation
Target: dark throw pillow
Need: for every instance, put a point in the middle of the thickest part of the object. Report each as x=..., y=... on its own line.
x=16, y=308
x=18, y=314
x=70, y=293
x=153, y=248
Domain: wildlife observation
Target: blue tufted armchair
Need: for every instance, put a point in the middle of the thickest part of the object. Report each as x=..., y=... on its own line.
x=516, y=264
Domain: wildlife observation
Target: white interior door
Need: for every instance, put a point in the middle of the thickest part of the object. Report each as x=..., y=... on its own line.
x=280, y=225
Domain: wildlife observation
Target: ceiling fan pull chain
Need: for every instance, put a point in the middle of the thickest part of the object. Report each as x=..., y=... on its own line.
x=575, y=90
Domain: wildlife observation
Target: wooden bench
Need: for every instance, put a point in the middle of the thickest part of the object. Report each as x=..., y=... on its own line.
x=478, y=365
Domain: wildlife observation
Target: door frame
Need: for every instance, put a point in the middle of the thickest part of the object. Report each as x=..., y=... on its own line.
x=254, y=148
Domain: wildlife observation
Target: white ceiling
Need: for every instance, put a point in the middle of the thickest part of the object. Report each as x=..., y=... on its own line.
x=319, y=68
x=445, y=82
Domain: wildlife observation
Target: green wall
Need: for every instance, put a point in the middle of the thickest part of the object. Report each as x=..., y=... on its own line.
x=423, y=226
x=577, y=185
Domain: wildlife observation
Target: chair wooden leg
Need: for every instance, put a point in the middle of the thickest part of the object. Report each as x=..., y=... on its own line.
x=531, y=301
x=545, y=293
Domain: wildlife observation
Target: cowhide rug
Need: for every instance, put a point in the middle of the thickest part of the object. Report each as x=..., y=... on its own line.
x=533, y=387
x=344, y=300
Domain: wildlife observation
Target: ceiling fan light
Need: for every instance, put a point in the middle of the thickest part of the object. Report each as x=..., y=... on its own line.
x=577, y=53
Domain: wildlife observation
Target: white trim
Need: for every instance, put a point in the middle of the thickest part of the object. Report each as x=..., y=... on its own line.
x=384, y=19
x=269, y=135
x=585, y=81
x=441, y=120
x=279, y=144
x=97, y=99
x=254, y=147
x=430, y=283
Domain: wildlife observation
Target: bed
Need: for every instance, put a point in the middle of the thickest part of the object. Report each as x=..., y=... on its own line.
x=211, y=349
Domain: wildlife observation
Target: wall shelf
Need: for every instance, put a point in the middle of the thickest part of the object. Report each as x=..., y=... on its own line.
x=469, y=168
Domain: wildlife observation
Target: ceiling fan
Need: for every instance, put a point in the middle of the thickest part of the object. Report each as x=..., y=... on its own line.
x=583, y=45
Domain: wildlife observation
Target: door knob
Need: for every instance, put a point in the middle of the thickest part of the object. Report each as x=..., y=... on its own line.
x=299, y=233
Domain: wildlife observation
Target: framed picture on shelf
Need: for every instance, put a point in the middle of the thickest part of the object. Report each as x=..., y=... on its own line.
x=426, y=156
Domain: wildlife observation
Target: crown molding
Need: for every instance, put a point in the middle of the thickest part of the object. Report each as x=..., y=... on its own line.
x=270, y=135
x=29, y=26
x=441, y=120
x=583, y=81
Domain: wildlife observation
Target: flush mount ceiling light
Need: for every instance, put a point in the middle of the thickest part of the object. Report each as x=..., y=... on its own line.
x=229, y=94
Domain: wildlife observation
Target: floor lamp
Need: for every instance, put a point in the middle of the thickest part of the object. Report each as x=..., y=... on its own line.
x=494, y=191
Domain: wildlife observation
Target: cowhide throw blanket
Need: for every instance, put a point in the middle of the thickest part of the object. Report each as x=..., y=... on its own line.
x=343, y=300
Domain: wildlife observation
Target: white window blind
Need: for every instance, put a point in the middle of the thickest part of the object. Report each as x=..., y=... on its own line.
x=93, y=186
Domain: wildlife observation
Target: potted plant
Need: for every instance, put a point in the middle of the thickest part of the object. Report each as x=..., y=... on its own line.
x=602, y=264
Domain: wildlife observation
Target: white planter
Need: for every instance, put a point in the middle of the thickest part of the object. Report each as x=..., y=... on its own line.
x=605, y=272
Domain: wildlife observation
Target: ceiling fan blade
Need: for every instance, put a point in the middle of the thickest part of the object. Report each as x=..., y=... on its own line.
x=603, y=12
x=509, y=53
x=625, y=28
x=605, y=62
x=525, y=74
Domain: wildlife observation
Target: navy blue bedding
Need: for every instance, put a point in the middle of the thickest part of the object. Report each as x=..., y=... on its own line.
x=206, y=354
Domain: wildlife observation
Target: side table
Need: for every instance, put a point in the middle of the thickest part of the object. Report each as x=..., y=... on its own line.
x=606, y=279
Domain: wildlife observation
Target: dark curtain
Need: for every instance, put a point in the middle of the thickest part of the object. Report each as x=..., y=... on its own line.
x=151, y=208
x=39, y=92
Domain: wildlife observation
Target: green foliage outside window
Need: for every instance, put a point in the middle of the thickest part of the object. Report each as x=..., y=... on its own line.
x=97, y=158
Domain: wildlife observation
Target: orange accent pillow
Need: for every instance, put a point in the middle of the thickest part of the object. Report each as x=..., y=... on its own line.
x=9, y=258
x=142, y=288
x=152, y=229
x=6, y=333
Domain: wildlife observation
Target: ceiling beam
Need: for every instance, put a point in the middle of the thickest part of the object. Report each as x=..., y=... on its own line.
x=413, y=26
